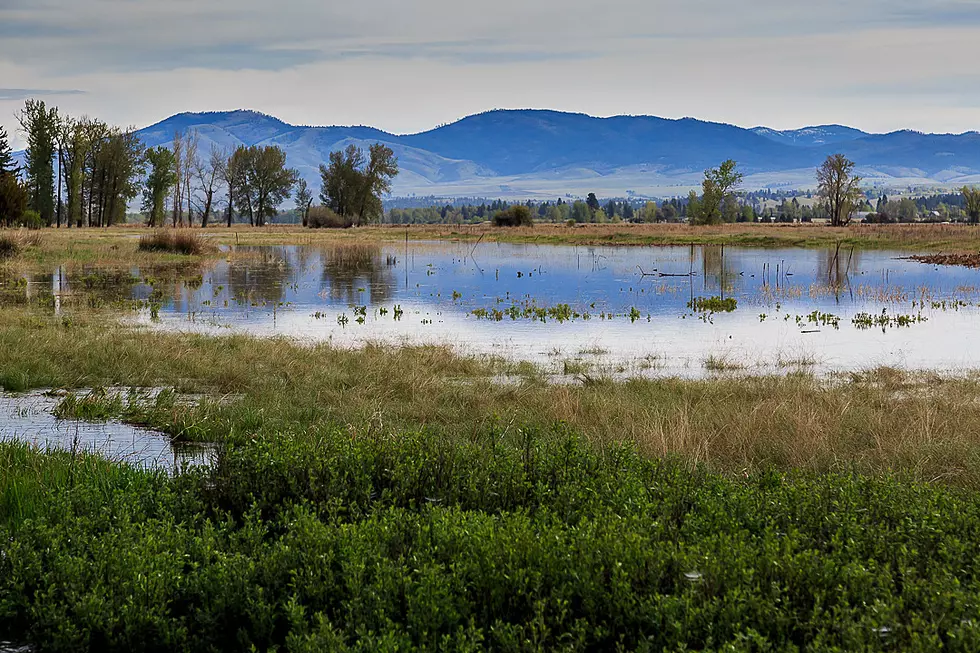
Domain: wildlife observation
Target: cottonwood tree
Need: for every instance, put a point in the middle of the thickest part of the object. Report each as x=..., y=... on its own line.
x=159, y=182
x=304, y=199
x=839, y=185
x=261, y=181
x=354, y=186
x=717, y=195
x=971, y=199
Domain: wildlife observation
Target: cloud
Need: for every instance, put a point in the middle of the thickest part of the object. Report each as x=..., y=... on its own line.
x=25, y=93
x=407, y=66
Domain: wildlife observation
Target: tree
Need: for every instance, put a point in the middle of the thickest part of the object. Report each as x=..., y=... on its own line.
x=39, y=124
x=6, y=157
x=353, y=187
x=159, y=182
x=580, y=211
x=13, y=200
x=717, y=200
x=229, y=175
x=304, y=199
x=971, y=198
x=208, y=175
x=261, y=180
x=515, y=216
x=840, y=187
x=592, y=202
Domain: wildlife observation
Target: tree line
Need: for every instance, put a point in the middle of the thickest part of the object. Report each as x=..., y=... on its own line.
x=81, y=172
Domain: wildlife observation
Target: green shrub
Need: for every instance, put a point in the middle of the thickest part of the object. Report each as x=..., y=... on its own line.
x=514, y=216
x=512, y=540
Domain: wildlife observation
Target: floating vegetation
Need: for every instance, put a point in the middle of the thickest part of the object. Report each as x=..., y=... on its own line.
x=819, y=319
x=713, y=304
x=884, y=320
x=529, y=310
x=971, y=260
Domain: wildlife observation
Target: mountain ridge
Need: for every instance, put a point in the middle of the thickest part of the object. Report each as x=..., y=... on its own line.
x=538, y=153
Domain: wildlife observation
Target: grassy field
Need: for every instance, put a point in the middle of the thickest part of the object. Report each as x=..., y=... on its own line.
x=110, y=246
x=407, y=498
x=914, y=237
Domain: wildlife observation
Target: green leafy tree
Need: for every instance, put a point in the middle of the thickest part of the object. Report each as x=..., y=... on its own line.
x=304, y=199
x=971, y=199
x=580, y=212
x=717, y=199
x=840, y=187
x=353, y=186
x=262, y=180
x=159, y=182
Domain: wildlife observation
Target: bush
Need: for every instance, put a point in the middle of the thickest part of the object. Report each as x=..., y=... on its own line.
x=515, y=216
x=420, y=543
x=188, y=243
x=323, y=217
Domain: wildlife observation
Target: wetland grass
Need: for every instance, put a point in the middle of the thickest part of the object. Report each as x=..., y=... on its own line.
x=183, y=241
x=923, y=425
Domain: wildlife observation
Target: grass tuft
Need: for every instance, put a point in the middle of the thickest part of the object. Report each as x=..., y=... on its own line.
x=186, y=242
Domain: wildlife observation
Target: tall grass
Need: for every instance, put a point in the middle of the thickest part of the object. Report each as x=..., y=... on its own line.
x=13, y=243
x=186, y=242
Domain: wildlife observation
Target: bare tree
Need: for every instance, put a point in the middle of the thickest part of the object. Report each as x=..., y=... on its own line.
x=191, y=140
x=178, y=150
x=840, y=187
x=209, y=174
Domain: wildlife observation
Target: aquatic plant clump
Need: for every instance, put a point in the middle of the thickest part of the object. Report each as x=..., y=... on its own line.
x=713, y=304
x=884, y=320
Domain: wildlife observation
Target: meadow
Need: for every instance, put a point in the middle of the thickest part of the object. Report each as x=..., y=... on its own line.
x=415, y=497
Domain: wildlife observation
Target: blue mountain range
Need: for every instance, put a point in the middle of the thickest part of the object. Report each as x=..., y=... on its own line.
x=541, y=153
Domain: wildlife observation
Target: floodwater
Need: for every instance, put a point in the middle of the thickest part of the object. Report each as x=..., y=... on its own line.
x=619, y=310
x=30, y=418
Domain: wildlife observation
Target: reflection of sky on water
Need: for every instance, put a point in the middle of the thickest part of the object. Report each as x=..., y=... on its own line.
x=278, y=290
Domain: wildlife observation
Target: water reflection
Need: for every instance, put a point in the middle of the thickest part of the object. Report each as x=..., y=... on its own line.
x=637, y=298
x=29, y=418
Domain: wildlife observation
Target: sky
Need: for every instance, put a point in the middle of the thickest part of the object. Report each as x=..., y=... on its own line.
x=407, y=66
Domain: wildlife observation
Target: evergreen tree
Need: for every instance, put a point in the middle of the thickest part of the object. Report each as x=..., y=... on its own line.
x=6, y=156
x=40, y=125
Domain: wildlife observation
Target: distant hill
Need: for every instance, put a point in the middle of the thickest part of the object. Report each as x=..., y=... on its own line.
x=812, y=136
x=540, y=153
